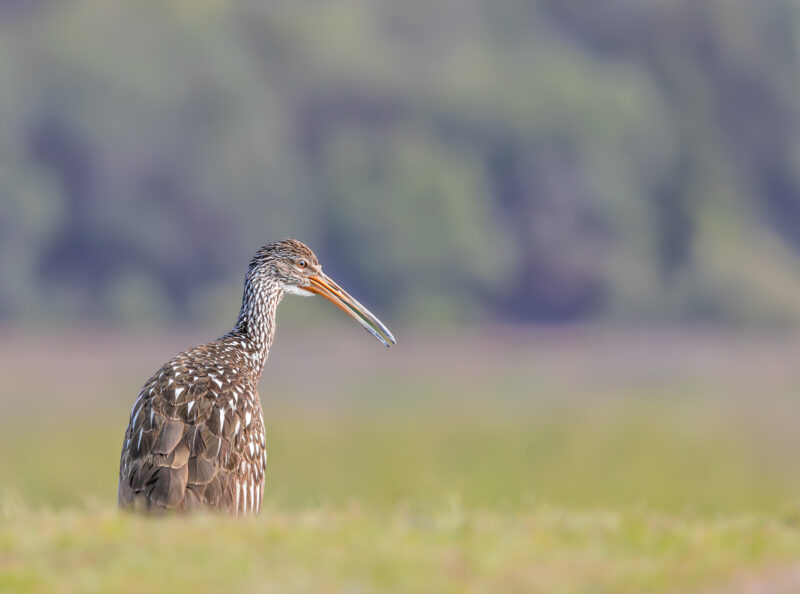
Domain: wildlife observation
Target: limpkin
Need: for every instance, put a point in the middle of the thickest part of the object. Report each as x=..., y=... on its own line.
x=195, y=440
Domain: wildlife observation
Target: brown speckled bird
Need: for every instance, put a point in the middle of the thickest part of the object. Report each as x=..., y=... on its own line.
x=196, y=439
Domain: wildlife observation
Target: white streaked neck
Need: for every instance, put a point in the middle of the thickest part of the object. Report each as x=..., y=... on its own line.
x=256, y=322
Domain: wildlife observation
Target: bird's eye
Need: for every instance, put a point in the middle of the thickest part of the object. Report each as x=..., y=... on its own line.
x=301, y=263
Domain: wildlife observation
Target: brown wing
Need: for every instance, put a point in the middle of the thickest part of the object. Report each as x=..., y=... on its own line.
x=195, y=440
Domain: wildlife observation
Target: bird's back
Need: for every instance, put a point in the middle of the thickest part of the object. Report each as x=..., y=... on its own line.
x=195, y=439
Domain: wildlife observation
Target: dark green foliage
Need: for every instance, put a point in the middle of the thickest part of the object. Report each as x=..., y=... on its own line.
x=546, y=160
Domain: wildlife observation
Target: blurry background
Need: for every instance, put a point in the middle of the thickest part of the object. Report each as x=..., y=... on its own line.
x=582, y=221
x=452, y=161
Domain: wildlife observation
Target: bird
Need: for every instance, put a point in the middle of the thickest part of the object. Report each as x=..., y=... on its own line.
x=195, y=440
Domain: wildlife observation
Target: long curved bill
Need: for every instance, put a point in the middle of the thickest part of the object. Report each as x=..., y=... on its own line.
x=322, y=285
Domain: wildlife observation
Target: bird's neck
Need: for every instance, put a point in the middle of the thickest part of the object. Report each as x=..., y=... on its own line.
x=255, y=325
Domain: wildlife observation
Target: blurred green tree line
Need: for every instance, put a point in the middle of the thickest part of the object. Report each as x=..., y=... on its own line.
x=495, y=159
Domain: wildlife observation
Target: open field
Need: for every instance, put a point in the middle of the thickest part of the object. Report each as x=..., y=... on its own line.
x=483, y=461
x=341, y=549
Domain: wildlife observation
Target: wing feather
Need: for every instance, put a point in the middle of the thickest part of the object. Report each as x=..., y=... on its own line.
x=195, y=434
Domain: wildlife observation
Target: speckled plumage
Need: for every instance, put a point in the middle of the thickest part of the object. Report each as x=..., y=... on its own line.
x=196, y=438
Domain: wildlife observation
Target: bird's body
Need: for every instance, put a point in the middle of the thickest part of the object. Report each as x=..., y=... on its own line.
x=196, y=437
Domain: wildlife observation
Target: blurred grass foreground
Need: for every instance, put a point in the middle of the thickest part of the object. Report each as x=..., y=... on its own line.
x=516, y=461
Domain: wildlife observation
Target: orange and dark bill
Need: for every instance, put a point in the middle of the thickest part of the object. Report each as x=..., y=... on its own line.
x=322, y=285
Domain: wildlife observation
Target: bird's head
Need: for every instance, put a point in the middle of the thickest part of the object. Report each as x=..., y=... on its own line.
x=295, y=269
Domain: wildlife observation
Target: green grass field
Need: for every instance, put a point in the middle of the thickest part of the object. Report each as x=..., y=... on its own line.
x=573, y=461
